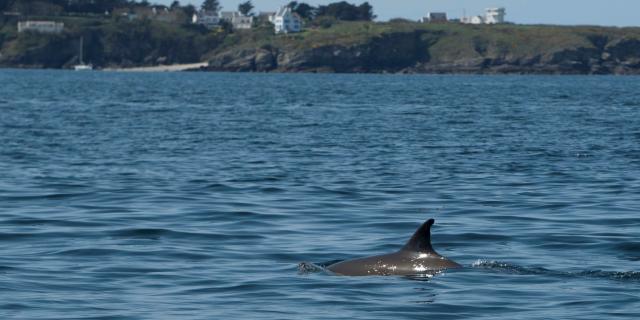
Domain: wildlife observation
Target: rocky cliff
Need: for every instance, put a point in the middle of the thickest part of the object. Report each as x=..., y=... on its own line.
x=414, y=48
x=394, y=47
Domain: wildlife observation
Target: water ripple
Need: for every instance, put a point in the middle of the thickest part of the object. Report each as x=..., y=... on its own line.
x=195, y=195
x=521, y=270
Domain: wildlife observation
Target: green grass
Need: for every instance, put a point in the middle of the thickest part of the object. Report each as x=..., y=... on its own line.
x=454, y=40
x=451, y=42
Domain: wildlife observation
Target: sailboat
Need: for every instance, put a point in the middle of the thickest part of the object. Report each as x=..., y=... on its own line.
x=82, y=66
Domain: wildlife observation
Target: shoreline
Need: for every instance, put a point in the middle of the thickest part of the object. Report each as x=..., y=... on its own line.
x=162, y=68
x=203, y=67
x=206, y=68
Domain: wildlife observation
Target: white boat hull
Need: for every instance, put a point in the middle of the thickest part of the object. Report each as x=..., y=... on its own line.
x=83, y=67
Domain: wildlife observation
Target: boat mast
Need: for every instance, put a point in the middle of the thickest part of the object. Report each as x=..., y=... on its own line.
x=81, y=49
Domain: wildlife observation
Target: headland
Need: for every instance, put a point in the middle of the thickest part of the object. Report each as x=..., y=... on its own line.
x=159, y=38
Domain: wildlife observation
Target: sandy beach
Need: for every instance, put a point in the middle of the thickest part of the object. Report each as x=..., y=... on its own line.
x=161, y=68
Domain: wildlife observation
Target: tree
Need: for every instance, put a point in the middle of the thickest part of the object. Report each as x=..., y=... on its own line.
x=83, y=6
x=189, y=10
x=175, y=5
x=365, y=12
x=346, y=11
x=211, y=5
x=304, y=10
x=245, y=8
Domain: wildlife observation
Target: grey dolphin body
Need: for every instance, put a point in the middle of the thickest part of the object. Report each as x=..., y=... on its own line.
x=416, y=257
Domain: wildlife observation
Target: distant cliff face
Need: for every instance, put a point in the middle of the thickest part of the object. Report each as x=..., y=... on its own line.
x=387, y=53
x=507, y=49
x=346, y=47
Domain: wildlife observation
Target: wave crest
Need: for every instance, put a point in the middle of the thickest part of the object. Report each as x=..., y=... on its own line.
x=522, y=270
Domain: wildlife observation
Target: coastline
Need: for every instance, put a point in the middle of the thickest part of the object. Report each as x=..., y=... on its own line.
x=346, y=47
x=162, y=68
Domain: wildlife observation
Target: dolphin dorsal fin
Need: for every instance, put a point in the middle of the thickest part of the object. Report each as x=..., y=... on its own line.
x=421, y=239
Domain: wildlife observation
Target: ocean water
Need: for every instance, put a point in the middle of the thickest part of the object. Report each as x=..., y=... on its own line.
x=196, y=195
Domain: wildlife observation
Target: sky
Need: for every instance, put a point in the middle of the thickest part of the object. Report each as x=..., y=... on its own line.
x=568, y=12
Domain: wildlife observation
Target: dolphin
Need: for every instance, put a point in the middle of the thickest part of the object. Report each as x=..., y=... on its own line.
x=415, y=258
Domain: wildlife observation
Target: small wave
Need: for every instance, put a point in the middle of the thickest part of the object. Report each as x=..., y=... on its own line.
x=272, y=190
x=464, y=122
x=93, y=252
x=158, y=110
x=6, y=268
x=65, y=186
x=473, y=236
x=521, y=270
x=257, y=179
x=630, y=247
x=99, y=252
x=424, y=276
x=340, y=192
x=50, y=222
x=510, y=268
x=309, y=267
x=157, y=233
x=15, y=236
x=14, y=306
x=219, y=187
x=614, y=275
x=140, y=233
x=54, y=196
x=306, y=125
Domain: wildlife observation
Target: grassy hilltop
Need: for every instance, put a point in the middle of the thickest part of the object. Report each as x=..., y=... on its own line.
x=336, y=46
x=403, y=46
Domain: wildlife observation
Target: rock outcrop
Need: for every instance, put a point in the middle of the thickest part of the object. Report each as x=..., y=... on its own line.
x=413, y=52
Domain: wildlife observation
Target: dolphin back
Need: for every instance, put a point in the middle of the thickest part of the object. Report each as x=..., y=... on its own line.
x=416, y=257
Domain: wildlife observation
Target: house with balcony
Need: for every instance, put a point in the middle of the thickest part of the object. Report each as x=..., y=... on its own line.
x=286, y=21
x=491, y=16
x=494, y=15
x=237, y=19
x=209, y=19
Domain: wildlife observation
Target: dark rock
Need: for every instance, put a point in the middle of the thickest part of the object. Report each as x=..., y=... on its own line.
x=624, y=49
x=409, y=52
x=264, y=60
x=243, y=60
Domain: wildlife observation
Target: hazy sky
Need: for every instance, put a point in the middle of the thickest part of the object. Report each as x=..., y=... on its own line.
x=597, y=12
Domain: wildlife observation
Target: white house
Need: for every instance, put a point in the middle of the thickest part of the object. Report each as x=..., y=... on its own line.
x=209, y=19
x=473, y=20
x=237, y=19
x=286, y=21
x=491, y=16
x=494, y=15
x=435, y=17
x=40, y=26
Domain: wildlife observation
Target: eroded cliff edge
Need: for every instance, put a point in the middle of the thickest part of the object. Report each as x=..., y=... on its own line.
x=418, y=48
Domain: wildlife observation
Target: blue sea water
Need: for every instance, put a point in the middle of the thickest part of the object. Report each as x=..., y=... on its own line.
x=196, y=195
